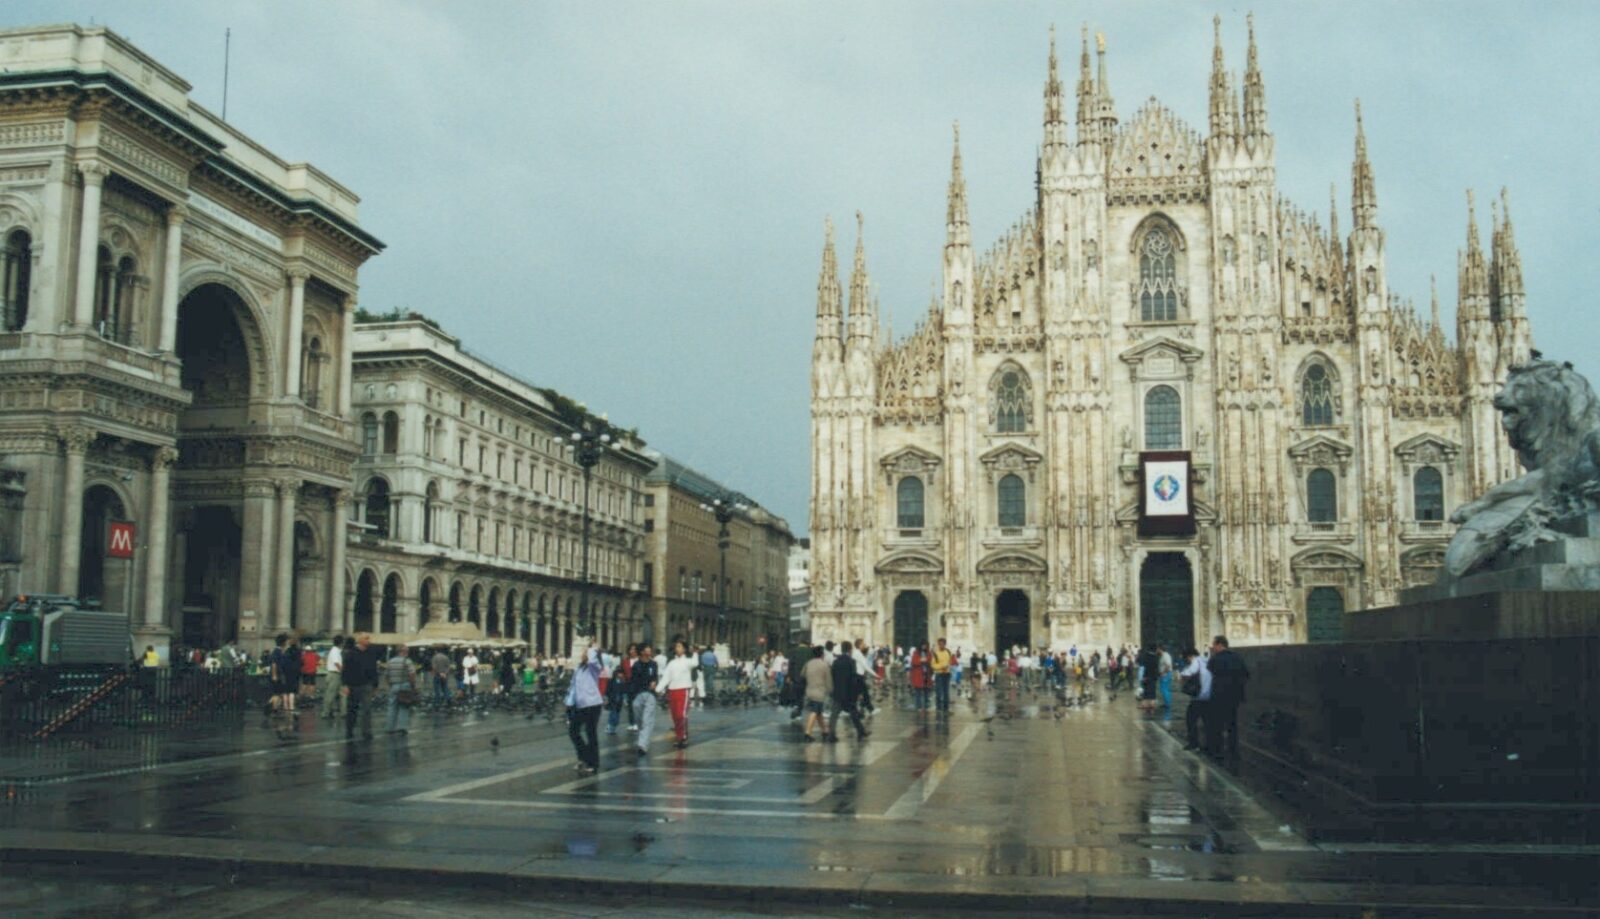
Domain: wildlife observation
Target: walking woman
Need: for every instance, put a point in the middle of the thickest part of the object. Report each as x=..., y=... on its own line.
x=400, y=679
x=818, y=678
x=677, y=679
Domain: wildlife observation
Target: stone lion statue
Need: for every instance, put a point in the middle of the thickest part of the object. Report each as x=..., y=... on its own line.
x=1552, y=419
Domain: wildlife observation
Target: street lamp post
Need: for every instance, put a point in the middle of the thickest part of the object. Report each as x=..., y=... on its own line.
x=723, y=507
x=587, y=446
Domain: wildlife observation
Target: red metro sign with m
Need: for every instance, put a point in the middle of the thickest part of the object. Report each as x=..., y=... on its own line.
x=119, y=541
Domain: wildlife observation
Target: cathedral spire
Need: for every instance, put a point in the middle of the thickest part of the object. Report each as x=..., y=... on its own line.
x=863, y=317
x=828, y=305
x=1363, y=193
x=1105, y=109
x=1255, y=90
x=1333, y=231
x=1086, y=124
x=1507, y=267
x=1052, y=87
x=957, y=230
x=1433, y=308
x=1474, y=274
x=1222, y=114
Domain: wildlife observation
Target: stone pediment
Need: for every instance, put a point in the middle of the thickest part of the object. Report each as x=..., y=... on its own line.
x=910, y=562
x=908, y=461
x=1012, y=562
x=1427, y=449
x=1010, y=458
x=1161, y=358
x=1321, y=450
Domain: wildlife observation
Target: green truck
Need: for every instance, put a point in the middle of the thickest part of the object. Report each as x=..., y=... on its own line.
x=48, y=629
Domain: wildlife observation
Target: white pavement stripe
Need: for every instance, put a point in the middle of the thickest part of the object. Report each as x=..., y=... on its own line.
x=475, y=784
x=924, y=787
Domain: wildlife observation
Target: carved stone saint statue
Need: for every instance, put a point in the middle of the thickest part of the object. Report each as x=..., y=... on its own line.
x=1552, y=420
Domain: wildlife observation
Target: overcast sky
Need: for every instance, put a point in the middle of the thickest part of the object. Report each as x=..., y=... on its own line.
x=624, y=200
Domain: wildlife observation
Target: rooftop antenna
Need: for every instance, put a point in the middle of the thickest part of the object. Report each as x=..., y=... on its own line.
x=227, y=49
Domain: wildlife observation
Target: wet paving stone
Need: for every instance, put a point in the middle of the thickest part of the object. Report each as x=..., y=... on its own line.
x=1001, y=804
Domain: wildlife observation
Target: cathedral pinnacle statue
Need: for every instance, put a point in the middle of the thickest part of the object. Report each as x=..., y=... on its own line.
x=1552, y=420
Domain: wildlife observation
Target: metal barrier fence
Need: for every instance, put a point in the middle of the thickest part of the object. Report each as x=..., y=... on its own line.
x=41, y=702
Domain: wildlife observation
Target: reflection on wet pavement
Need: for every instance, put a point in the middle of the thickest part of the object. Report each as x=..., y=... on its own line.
x=1014, y=792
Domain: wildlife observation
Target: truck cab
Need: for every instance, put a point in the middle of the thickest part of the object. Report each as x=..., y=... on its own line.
x=40, y=629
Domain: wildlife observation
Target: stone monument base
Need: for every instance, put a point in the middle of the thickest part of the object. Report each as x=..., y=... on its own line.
x=1500, y=615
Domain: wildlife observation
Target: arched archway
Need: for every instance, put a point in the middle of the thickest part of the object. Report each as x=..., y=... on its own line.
x=491, y=625
x=101, y=576
x=1013, y=619
x=425, y=603
x=508, y=620
x=541, y=628
x=389, y=608
x=216, y=338
x=475, y=605
x=366, y=587
x=526, y=633
x=910, y=619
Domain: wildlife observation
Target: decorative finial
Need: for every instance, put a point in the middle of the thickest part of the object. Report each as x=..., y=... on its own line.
x=1100, y=42
x=860, y=221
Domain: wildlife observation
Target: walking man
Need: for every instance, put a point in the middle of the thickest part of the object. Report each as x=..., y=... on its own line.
x=360, y=680
x=1228, y=676
x=441, y=676
x=642, y=679
x=1197, y=686
x=941, y=677
x=583, y=708
x=708, y=670
x=333, y=701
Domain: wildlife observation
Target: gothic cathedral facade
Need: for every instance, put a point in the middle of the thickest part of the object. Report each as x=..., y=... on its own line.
x=979, y=479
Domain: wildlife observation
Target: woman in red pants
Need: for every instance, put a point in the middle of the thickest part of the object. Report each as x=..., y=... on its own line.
x=677, y=679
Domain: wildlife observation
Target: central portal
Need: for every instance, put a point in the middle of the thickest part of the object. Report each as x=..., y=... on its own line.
x=1166, y=602
x=1011, y=620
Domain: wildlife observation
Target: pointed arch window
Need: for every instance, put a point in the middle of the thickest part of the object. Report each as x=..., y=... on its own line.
x=311, y=363
x=908, y=499
x=16, y=264
x=391, y=433
x=1159, y=295
x=1317, y=401
x=1011, y=496
x=1322, y=497
x=1011, y=402
x=1163, y=419
x=1427, y=493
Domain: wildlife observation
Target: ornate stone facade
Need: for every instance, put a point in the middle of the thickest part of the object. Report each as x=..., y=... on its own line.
x=174, y=326
x=469, y=501
x=978, y=478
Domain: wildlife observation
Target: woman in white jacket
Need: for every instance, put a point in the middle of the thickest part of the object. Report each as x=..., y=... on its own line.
x=676, y=681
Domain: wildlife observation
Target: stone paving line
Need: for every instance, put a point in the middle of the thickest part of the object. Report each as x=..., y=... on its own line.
x=1094, y=811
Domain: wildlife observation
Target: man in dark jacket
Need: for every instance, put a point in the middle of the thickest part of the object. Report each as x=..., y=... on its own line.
x=846, y=695
x=1228, y=676
x=360, y=680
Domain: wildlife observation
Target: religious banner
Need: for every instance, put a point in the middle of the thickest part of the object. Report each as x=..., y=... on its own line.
x=1166, y=506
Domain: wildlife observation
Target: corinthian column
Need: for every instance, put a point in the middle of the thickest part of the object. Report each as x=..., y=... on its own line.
x=169, y=277
x=288, y=488
x=297, y=309
x=155, y=577
x=334, y=618
x=94, y=176
x=77, y=442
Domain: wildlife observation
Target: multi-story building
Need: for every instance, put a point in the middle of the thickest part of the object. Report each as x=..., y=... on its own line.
x=1166, y=403
x=685, y=564
x=470, y=500
x=800, y=592
x=175, y=314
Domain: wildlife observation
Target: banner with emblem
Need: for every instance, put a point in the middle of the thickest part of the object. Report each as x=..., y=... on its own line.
x=1165, y=504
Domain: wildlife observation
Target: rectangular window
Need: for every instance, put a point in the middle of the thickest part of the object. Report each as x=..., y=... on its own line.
x=649, y=500
x=649, y=525
x=461, y=455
